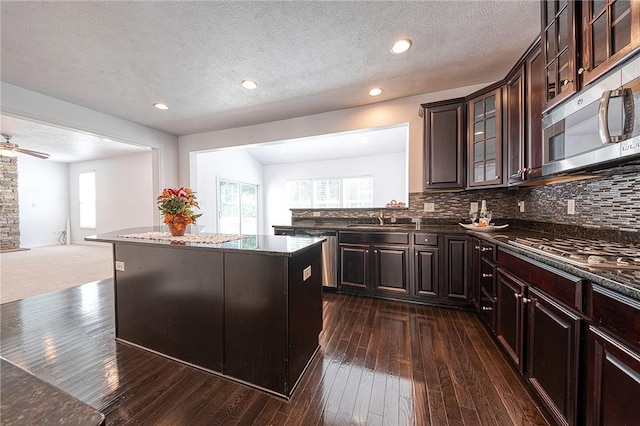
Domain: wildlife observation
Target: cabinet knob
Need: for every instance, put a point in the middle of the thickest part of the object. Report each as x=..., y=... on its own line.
x=565, y=82
x=517, y=295
x=580, y=71
x=486, y=249
x=487, y=275
x=426, y=240
x=487, y=308
x=476, y=247
x=525, y=300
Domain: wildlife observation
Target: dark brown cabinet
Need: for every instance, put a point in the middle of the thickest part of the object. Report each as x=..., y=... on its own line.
x=611, y=31
x=457, y=262
x=523, y=115
x=559, y=32
x=483, y=280
x=444, y=145
x=515, y=116
x=534, y=101
x=553, y=355
x=510, y=318
x=612, y=381
x=375, y=262
x=427, y=265
x=539, y=325
x=485, y=139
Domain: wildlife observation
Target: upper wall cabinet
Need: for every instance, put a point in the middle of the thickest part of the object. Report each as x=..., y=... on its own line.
x=485, y=139
x=559, y=42
x=610, y=31
x=444, y=145
x=524, y=98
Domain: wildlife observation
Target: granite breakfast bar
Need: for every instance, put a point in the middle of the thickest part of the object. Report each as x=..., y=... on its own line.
x=249, y=309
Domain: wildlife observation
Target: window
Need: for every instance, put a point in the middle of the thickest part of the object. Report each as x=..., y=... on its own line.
x=238, y=208
x=354, y=191
x=87, y=196
x=357, y=192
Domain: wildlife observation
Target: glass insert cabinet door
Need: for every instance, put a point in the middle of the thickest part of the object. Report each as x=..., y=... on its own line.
x=612, y=30
x=485, y=140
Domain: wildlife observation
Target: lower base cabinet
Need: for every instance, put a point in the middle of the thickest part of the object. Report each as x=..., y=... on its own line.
x=510, y=316
x=375, y=263
x=613, y=381
x=540, y=334
x=457, y=261
x=553, y=355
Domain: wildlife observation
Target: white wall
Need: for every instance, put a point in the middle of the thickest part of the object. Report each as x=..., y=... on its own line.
x=232, y=164
x=124, y=191
x=28, y=104
x=389, y=181
x=385, y=113
x=43, y=191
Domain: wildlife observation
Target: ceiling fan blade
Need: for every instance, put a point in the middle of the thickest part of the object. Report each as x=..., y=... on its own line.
x=37, y=154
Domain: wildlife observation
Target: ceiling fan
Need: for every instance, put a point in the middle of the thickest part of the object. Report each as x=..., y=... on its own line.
x=9, y=149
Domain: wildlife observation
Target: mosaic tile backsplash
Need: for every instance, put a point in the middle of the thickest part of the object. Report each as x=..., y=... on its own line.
x=607, y=202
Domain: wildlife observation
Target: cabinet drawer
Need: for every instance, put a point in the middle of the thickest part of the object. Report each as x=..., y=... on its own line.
x=617, y=313
x=425, y=239
x=374, y=237
x=488, y=251
x=488, y=310
x=487, y=277
x=562, y=286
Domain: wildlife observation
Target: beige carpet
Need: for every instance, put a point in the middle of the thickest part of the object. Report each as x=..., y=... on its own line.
x=44, y=269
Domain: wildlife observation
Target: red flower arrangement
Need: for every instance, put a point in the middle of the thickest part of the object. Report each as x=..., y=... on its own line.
x=176, y=206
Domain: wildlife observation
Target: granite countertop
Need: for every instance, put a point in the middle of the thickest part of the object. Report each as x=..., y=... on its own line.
x=27, y=400
x=271, y=245
x=623, y=282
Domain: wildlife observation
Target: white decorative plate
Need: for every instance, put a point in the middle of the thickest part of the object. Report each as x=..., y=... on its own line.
x=489, y=228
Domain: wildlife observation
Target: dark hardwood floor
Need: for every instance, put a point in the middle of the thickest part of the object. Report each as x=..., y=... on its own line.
x=380, y=363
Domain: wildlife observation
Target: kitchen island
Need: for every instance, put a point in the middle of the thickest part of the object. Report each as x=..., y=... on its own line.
x=249, y=309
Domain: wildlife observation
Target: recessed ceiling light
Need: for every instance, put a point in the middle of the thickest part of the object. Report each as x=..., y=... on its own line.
x=401, y=46
x=249, y=84
x=375, y=91
x=160, y=106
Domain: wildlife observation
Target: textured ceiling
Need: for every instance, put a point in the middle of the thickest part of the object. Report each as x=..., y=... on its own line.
x=307, y=57
x=64, y=145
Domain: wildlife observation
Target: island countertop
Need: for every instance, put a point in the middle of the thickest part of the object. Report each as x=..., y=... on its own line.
x=265, y=244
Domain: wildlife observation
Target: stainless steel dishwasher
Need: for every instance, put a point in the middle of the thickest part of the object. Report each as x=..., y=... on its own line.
x=329, y=254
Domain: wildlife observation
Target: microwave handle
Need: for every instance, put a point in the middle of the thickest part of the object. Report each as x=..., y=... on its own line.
x=603, y=115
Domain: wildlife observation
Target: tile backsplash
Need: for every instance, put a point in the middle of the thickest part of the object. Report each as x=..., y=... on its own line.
x=607, y=202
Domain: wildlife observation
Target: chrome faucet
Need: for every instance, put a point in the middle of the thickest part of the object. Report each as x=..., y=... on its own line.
x=379, y=215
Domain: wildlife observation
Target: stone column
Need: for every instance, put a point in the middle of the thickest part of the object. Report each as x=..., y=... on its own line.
x=9, y=207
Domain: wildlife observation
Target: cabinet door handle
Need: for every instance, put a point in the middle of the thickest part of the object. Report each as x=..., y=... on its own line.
x=517, y=295
x=486, y=249
x=580, y=71
x=487, y=308
x=487, y=275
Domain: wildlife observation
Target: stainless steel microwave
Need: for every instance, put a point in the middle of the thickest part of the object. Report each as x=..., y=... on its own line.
x=596, y=128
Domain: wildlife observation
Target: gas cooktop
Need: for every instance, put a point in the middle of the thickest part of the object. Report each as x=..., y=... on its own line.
x=592, y=254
